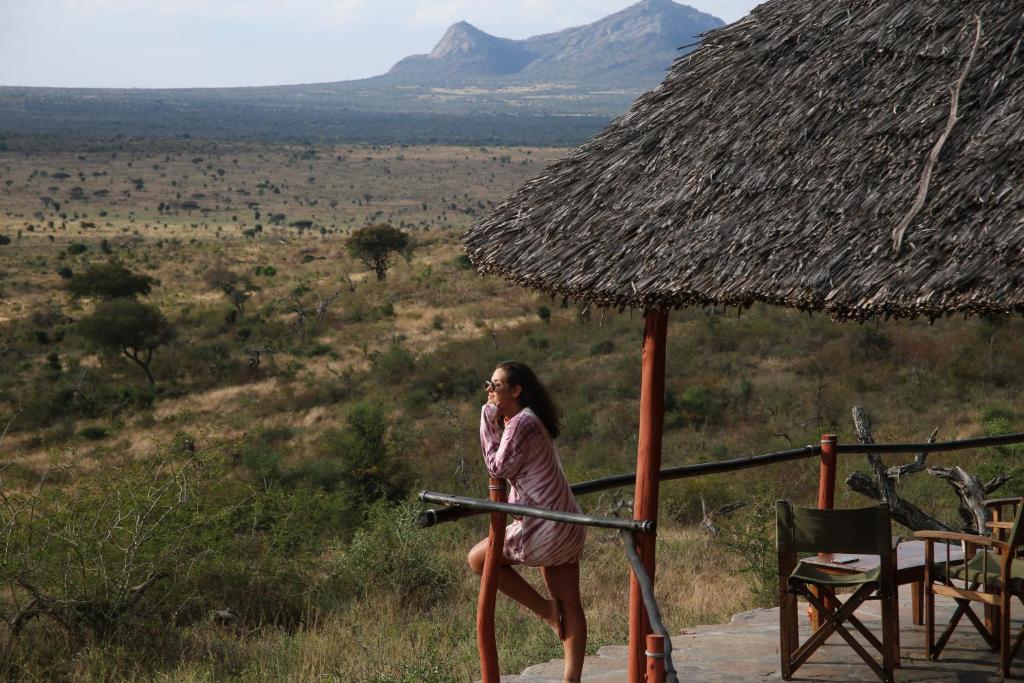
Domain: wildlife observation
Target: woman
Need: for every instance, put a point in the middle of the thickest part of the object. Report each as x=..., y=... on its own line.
x=517, y=427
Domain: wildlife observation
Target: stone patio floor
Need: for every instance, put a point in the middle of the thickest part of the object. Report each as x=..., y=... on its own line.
x=746, y=649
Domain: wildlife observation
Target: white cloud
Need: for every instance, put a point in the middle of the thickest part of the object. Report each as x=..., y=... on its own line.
x=331, y=11
x=439, y=13
x=511, y=18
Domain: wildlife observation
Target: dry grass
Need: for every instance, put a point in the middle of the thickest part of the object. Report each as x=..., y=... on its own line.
x=361, y=643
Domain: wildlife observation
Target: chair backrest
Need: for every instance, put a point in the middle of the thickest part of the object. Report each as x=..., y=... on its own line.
x=1016, y=536
x=858, y=530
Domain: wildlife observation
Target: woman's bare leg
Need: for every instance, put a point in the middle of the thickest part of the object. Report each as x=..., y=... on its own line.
x=515, y=586
x=564, y=583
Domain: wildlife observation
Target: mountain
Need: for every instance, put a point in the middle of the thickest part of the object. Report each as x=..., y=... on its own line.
x=465, y=52
x=473, y=87
x=632, y=47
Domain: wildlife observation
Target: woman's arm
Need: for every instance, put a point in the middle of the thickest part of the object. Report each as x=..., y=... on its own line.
x=503, y=452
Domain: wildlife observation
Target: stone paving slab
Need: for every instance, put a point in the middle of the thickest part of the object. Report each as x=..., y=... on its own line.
x=747, y=649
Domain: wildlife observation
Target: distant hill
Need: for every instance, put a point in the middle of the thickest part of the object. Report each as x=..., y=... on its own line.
x=558, y=88
x=629, y=48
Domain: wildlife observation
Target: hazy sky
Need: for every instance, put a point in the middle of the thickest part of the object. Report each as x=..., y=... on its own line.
x=178, y=43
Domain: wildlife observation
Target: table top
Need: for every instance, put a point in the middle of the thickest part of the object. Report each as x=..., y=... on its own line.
x=909, y=558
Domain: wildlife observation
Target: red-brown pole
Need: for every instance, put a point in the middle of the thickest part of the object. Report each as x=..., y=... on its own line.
x=655, y=658
x=826, y=494
x=827, y=473
x=648, y=464
x=485, y=641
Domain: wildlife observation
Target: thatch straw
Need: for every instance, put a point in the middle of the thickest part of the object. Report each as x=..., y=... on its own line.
x=860, y=157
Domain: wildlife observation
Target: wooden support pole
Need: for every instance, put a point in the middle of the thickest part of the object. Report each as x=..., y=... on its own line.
x=655, y=658
x=827, y=473
x=648, y=465
x=485, y=642
x=826, y=498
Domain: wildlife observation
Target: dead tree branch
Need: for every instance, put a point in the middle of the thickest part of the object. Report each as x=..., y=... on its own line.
x=882, y=486
x=708, y=524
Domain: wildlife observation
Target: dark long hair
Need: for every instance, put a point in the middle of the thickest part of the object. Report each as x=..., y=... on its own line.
x=533, y=395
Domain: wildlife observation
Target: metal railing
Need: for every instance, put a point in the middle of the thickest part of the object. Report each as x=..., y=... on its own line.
x=431, y=517
x=660, y=665
x=659, y=650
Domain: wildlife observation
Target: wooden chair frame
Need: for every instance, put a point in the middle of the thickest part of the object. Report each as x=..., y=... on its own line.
x=835, y=613
x=1001, y=549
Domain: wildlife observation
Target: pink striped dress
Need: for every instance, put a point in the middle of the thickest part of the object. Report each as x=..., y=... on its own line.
x=525, y=455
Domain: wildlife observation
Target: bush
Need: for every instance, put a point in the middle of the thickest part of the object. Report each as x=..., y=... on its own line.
x=392, y=555
x=446, y=381
x=700, y=405
x=366, y=468
x=76, y=248
x=4, y=240
x=109, y=281
x=394, y=365
x=750, y=533
x=95, y=433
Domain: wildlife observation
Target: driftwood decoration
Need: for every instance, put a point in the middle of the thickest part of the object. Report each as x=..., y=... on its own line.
x=972, y=494
x=882, y=485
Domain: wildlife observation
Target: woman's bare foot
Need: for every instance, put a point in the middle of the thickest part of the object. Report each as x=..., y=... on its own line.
x=554, y=618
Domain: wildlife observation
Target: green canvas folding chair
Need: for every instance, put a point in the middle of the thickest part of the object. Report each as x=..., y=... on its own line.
x=992, y=575
x=862, y=531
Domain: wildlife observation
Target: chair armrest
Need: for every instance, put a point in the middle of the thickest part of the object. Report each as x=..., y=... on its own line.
x=999, y=525
x=973, y=539
x=1012, y=500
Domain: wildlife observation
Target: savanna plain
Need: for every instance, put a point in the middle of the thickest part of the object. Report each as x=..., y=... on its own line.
x=225, y=489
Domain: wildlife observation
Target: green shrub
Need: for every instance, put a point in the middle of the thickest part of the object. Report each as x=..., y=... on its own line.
x=263, y=460
x=538, y=342
x=699, y=405
x=110, y=281
x=392, y=555
x=366, y=468
x=750, y=533
x=95, y=433
x=872, y=343
x=394, y=365
x=441, y=381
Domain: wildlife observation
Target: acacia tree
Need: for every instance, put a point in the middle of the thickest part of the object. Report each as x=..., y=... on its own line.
x=375, y=245
x=109, y=281
x=131, y=327
x=237, y=288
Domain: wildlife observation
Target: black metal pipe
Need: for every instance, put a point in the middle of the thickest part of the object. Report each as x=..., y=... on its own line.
x=938, y=447
x=432, y=517
x=529, y=511
x=650, y=604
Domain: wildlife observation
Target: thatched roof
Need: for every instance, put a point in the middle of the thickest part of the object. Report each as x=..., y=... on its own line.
x=786, y=159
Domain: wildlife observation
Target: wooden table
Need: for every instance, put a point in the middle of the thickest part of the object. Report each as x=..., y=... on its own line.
x=909, y=569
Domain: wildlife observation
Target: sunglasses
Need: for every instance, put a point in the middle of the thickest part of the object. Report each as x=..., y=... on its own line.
x=490, y=386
